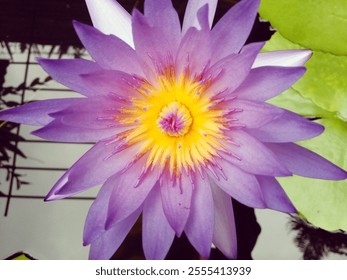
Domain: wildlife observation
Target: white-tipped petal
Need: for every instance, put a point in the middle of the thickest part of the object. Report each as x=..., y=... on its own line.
x=191, y=14
x=288, y=58
x=111, y=18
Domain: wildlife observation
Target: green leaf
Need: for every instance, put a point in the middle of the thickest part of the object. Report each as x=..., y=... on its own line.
x=315, y=24
x=278, y=42
x=323, y=203
x=21, y=258
x=325, y=81
x=295, y=102
x=322, y=92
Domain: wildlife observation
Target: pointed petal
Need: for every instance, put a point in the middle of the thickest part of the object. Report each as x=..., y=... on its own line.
x=191, y=14
x=176, y=198
x=108, y=51
x=224, y=234
x=306, y=163
x=274, y=195
x=254, y=157
x=112, y=82
x=232, y=70
x=131, y=188
x=111, y=18
x=94, y=167
x=290, y=127
x=289, y=58
x=194, y=51
x=203, y=14
x=240, y=185
x=155, y=48
x=200, y=224
x=264, y=83
x=93, y=113
x=157, y=234
x=108, y=243
x=254, y=114
x=162, y=14
x=233, y=29
x=97, y=214
x=37, y=113
x=57, y=131
x=68, y=71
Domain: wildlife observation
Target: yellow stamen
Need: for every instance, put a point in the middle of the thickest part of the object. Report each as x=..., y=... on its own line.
x=175, y=122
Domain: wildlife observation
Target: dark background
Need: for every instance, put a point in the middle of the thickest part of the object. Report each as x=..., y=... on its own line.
x=49, y=21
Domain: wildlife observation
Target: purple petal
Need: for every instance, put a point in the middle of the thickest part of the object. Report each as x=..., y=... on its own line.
x=194, y=51
x=37, y=113
x=240, y=185
x=111, y=18
x=131, y=188
x=108, y=243
x=200, y=224
x=176, y=198
x=254, y=157
x=57, y=131
x=264, y=83
x=290, y=127
x=68, y=71
x=157, y=234
x=161, y=13
x=112, y=82
x=232, y=70
x=233, y=29
x=253, y=49
x=108, y=51
x=153, y=46
x=290, y=58
x=94, y=167
x=97, y=214
x=274, y=195
x=224, y=234
x=191, y=14
x=306, y=163
x=93, y=113
x=203, y=18
x=254, y=114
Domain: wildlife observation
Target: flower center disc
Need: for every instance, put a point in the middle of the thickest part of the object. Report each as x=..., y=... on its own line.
x=174, y=119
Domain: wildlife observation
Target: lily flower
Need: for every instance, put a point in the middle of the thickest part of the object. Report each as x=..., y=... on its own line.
x=179, y=119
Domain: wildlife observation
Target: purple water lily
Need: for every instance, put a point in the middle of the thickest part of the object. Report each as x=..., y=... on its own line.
x=180, y=125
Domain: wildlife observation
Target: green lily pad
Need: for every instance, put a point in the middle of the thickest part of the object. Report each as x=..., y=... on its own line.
x=325, y=81
x=322, y=93
x=278, y=42
x=292, y=100
x=323, y=203
x=315, y=24
x=20, y=256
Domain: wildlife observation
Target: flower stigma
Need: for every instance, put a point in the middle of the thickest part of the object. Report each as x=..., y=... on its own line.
x=175, y=119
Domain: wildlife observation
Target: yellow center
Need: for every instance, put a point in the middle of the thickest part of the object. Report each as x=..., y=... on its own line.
x=176, y=122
